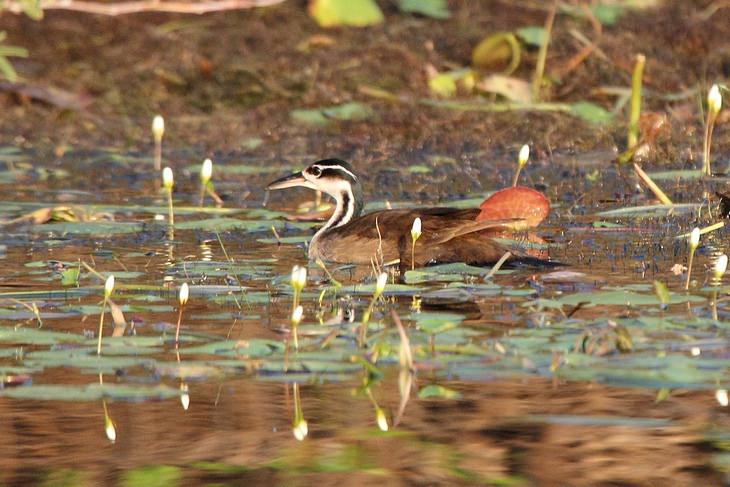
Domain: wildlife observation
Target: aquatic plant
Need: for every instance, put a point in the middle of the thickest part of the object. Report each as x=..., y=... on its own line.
x=542, y=52
x=158, y=130
x=206, y=172
x=296, y=318
x=722, y=398
x=381, y=419
x=167, y=183
x=298, y=281
x=658, y=192
x=718, y=271
x=300, y=427
x=109, y=429
x=632, y=137
x=415, y=233
x=714, y=104
x=694, y=241
x=720, y=267
x=182, y=300
x=379, y=288
x=184, y=396
x=522, y=158
x=108, y=288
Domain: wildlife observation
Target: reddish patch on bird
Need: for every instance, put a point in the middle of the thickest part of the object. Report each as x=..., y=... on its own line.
x=526, y=204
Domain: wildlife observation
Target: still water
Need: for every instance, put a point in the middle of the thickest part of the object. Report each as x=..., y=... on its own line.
x=523, y=378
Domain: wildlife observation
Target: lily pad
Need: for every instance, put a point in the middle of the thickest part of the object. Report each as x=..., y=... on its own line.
x=590, y=112
x=436, y=391
x=323, y=116
x=90, y=228
x=626, y=298
x=92, y=392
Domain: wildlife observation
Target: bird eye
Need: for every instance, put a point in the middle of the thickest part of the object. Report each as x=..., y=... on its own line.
x=315, y=171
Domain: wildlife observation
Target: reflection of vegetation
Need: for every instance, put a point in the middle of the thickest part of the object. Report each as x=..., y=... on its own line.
x=152, y=476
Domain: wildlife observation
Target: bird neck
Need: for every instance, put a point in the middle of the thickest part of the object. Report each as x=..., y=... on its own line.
x=348, y=205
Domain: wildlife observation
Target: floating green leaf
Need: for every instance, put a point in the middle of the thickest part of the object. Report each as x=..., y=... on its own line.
x=70, y=276
x=677, y=174
x=650, y=211
x=533, y=35
x=607, y=14
x=625, y=298
x=92, y=392
x=438, y=9
x=243, y=348
x=322, y=116
x=590, y=112
x=98, y=228
x=35, y=336
x=432, y=390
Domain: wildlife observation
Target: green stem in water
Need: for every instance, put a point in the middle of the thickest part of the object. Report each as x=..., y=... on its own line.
x=689, y=268
x=179, y=320
x=636, y=80
x=170, y=212
x=101, y=325
x=709, y=127
x=413, y=253
x=542, y=53
x=365, y=319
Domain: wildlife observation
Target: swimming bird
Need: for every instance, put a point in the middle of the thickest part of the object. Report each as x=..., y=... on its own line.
x=447, y=234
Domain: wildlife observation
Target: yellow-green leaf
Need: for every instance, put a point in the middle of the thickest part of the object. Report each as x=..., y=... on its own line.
x=442, y=85
x=497, y=51
x=357, y=13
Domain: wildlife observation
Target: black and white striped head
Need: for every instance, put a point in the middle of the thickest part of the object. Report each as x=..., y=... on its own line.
x=331, y=176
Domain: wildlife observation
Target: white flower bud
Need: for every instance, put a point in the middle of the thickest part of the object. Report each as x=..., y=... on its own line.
x=298, y=277
x=721, y=396
x=694, y=238
x=524, y=155
x=206, y=172
x=109, y=286
x=301, y=430
x=416, y=229
x=381, y=419
x=380, y=285
x=167, y=178
x=297, y=314
x=158, y=127
x=714, y=100
x=184, y=397
x=184, y=294
x=111, y=431
x=720, y=266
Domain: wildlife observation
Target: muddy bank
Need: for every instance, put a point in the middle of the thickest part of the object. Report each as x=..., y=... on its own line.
x=226, y=80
